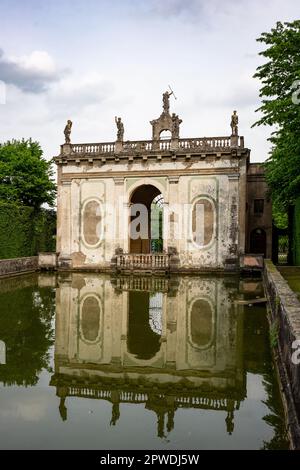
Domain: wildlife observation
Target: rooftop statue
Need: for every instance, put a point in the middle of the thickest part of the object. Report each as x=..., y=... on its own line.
x=175, y=126
x=67, y=131
x=166, y=101
x=120, y=128
x=234, y=123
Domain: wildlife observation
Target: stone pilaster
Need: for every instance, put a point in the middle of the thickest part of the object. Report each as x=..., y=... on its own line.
x=174, y=217
x=233, y=192
x=119, y=213
x=64, y=225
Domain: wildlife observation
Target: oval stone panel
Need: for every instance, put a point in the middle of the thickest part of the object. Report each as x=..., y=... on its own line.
x=90, y=318
x=92, y=223
x=203, y=222
x=201, y=323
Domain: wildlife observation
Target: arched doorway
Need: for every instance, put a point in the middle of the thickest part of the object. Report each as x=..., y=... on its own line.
x=146, y=220
x=258, y=241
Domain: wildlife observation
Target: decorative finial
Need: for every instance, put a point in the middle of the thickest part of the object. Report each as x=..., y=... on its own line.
x=234, y=123
x=120, y=129
x=67, y=131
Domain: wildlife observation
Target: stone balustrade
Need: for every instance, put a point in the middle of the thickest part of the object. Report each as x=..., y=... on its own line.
x=143, y=261
x=190, y=400
x=205, y=143
x=105, y=147
x=198, y=144
x=141, y=283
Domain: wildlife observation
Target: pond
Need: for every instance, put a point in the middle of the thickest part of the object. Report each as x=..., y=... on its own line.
x=90, y=361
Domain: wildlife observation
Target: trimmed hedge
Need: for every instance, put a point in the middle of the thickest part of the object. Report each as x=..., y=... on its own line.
x=296, y=233
x=25, y=232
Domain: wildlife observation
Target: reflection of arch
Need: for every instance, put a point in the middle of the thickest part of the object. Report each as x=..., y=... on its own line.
x=141, y=200
x=201, y=323
x=203, y=221
x=258, y=241
x=92, y=226
x=143, y=342
x=90, y=319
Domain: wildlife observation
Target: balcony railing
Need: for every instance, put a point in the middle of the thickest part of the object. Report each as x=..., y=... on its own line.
x=198, y=144
x=105, y=147
x=143, y=261
x=189, y=400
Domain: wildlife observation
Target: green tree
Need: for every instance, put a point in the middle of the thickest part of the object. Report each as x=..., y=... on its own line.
x=25, y=176
x=280, y=93
x=26, y=327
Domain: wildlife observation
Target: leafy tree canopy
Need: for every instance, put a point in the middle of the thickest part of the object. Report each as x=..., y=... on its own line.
x=25, y=176
x=280, y=93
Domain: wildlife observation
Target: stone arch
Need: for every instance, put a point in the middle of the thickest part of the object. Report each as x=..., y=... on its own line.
x=163, y=123
x=150, y=181
x=141, y=197
x=167, y=134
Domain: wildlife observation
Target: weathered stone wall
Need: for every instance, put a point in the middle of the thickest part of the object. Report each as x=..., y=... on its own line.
x=285, y=321
x=18, y=265
x=88, y=239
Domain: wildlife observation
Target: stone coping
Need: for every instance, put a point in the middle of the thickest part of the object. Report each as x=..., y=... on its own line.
x=286, y=297
x=284, y=318
x=14, y=266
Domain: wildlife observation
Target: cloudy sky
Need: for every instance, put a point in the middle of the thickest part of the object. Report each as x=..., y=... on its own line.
x=89, y=60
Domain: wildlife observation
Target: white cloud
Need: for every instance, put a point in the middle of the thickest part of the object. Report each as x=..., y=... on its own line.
x=121, y=58
x=30, y=73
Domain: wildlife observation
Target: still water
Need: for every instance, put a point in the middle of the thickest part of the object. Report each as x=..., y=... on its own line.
x=94, y=362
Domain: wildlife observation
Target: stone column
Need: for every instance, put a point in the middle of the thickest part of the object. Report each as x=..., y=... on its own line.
x=126, y=233
x=75, y=217
x=120, y=230
x=64, y=225
x=59, y=209
x=234, y=227
x=242, y=205
x=174, y=217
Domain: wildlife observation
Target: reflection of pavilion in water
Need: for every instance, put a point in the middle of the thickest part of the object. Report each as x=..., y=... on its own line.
x=168, y=343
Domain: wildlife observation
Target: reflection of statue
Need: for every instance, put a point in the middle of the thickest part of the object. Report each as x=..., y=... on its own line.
x=166, y=101
x=229, y=422
x=120, y=127
x=63, y=409
x=175, y=126
x=67, y=132
x=115, y=412
x=234, y=123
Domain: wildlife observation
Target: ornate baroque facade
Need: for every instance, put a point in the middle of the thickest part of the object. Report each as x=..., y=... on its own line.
x=201, y=184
